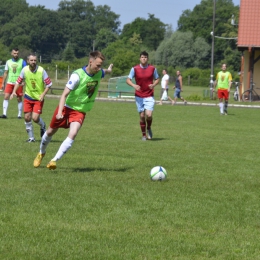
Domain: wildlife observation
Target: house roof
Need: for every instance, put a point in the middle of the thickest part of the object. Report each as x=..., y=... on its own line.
x=249, y=24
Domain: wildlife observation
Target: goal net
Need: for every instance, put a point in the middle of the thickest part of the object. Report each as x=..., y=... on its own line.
x=117, y=87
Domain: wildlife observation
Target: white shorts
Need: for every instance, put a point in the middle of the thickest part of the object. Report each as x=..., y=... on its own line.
x=143, y=104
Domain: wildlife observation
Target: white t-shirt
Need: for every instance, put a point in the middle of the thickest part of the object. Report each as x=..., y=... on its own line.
x=163, y=81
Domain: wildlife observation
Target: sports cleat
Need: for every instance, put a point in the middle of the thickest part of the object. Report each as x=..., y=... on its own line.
x=51, y=165
x=37, y=161
x=43, y=129
x=30, y=140
x=225, y=112
x=150, y=134
x=3, y=116
x=19, y=117
x=185, y=102
x=144, y=138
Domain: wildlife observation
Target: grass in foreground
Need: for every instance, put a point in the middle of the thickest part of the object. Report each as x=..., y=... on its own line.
x=100, y=203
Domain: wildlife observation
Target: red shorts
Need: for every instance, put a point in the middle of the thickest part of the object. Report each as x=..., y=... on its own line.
x=69, y=115
x=10, y=87
x=32, y=106
x=223, y=93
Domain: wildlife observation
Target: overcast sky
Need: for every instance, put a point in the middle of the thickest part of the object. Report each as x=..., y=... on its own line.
x=168, y=11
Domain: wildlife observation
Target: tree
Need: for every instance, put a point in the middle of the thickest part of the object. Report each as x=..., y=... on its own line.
x=135, y=40
x=199, y=21
x=181, y=50
x=10, y=9
x=104, y=37
x=151, y=31
x=88, y=25
x=4, y=53
x=68, y=54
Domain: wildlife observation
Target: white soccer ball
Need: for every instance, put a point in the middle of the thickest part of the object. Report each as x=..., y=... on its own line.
x=158, y=173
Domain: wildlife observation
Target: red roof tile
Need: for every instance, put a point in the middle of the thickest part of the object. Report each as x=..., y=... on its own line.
x=249, y=24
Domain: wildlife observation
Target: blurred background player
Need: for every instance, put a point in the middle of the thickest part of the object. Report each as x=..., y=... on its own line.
x=165, y=86
x=146, y=77
x=37, y=84
x=178, y=88
x=13, y=69
x=223, y=83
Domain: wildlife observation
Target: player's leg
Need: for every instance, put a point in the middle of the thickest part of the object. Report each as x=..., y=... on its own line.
x=221, y=105
x=161, y=94
x=29, y=126
x=149, y=106
x=226, y=96
x=175, y=95
x=47, y=136
x=75, y=120
x=170, y=97
x=182, y=98
x=66, y=144
x=28, y=109
x=8, y=91
x=19, y=94
x=36, y=116
x=140, y=108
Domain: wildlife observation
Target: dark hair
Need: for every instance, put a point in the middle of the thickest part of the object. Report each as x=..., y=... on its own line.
x=144, y=53
x=96, y=54
x=15, y=49
x=32, y=54
x=165, y=70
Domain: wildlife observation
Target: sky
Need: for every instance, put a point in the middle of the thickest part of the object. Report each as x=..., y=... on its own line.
x=168, y=11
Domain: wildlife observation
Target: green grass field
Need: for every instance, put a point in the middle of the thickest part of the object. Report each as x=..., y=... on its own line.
x=100, y=203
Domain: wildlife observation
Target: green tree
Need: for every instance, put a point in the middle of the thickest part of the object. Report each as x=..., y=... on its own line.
x=104, y=37
x=10, y=9
x=87, y=24
x=135, y=39
x=181, y=50
x=37, y=29
x=68, y=54
x=151, y=31
x=4, y=53
x=199, y=21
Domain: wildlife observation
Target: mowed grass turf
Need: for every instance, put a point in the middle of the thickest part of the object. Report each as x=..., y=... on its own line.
x=100, y=203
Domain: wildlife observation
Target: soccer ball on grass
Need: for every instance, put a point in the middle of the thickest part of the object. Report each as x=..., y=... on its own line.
x=158, y=173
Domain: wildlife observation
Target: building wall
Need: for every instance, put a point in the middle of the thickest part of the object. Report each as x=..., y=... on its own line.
x=246, y=76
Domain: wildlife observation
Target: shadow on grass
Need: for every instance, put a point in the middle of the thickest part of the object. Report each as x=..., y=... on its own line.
x=88, y=169
x=157, y=139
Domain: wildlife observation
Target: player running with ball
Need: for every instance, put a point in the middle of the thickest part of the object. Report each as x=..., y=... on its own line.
x=77, y=98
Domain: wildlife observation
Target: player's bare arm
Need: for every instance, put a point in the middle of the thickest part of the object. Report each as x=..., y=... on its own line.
x=151, y=86
x=16, y=86
x=109, y=69
x=63, y=97
x=130, y=83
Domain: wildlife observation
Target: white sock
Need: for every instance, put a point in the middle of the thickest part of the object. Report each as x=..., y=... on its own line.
x=29, y=129
x=41, y=123
x=44, y=142
x=221, y=105
x=5, y=106
x=65, y=146
x=20, y=108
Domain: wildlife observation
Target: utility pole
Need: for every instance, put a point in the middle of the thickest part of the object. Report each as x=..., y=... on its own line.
x=212, y=46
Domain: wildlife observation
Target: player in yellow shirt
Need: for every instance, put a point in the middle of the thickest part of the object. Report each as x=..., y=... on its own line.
x=223, y=83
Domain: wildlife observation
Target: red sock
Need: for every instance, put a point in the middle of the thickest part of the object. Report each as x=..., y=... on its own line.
x=143, y=128
x=149, y=123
